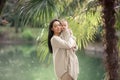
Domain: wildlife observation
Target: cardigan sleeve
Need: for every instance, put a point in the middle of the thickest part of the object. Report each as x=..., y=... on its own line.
x=56, y=41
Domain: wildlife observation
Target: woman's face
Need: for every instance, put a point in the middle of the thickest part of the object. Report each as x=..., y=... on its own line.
x=56, y=28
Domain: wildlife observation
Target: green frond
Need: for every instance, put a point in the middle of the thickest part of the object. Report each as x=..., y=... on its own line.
x=92, y=5
x=38, y=11
x=42, y=47
x=84, y=28
x=79, y=13
x=70, y=7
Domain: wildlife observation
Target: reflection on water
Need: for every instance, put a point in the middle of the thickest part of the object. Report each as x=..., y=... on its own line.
x=19, y=62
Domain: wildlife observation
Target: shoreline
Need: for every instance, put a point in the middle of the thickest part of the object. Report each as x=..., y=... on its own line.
x=16, y=42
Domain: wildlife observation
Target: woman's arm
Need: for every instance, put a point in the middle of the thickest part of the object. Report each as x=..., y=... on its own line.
x=65, y=35
x=56, y=41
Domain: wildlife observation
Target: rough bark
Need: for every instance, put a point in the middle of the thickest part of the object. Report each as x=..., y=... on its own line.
x=110, y=39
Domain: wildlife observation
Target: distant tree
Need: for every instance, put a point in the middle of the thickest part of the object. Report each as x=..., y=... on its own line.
x=2, y=3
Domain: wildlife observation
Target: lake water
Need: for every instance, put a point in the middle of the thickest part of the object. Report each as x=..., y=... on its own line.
x=20, y=62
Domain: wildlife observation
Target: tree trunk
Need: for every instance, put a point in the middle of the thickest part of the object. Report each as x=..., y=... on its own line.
x=110, y=39
x=2, y=3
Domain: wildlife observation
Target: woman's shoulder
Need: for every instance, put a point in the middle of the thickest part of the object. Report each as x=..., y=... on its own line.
x=55, y=38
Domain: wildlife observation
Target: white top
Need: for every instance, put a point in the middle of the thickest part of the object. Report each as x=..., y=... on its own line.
x=63, y=62
x=59, y=55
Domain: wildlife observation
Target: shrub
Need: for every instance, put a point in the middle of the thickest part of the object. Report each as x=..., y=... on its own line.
x=27, y=34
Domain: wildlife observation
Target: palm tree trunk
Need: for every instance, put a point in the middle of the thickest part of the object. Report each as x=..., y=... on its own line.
x=110, y=39
x=2, y=3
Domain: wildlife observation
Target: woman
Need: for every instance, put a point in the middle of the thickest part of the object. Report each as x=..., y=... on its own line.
x=58, y=47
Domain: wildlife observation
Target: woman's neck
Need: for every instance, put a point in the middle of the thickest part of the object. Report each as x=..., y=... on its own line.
x=56, y=34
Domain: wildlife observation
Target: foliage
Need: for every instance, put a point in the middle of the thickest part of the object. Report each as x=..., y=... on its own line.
x=38, y=12
x=8, y=11
x=82, y=19
x=27, y=34
x=85, y=27
x=42, y=47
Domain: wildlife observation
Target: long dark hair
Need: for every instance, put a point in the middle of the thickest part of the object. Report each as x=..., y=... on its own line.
x=50, y=34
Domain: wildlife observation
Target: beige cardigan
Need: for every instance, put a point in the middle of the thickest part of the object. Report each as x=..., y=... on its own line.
x=62, y=61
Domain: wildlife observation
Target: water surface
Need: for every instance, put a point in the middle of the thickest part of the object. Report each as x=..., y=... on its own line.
x=19, y=62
